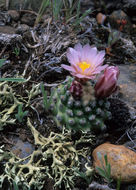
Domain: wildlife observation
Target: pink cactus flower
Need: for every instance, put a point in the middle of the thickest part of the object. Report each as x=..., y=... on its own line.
x=86, y=62
x=107, y=83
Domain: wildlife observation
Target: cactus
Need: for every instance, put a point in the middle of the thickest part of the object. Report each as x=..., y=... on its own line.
x=79, y=113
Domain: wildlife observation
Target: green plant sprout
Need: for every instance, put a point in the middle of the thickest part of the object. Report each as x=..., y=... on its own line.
x=80, y=18
x=15, y=186
x=16, y=51
x=114, y=35
x=2, y=61
x=105, y=169
x=46, y=102
x=118, y=183
x=20, y=115
x=113, y=38
x=87, y=176
x=56, y=8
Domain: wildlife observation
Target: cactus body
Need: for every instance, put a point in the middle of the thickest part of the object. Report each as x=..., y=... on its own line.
x=76, y=115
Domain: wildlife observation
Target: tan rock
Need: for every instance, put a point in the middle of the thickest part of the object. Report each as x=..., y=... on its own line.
x=121, y=159
x=100, y=18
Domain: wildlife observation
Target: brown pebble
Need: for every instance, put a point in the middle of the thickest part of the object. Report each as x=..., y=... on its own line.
x=100, y=18
x=121, y=159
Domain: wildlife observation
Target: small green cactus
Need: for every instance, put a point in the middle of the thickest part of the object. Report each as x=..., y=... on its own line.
x=78, y=114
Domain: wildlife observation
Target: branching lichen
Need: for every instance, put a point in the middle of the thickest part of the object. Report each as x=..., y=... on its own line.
x=8, y=103
x=56, y=157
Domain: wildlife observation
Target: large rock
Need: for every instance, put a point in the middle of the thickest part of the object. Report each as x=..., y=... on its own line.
x=119, y=20
x=127, y=83
x=121, y=159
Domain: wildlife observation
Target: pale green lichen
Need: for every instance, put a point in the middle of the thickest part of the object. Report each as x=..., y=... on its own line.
x=8, y=104
x=56, y=157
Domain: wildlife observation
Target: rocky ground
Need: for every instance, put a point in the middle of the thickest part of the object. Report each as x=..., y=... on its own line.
x=35, y=52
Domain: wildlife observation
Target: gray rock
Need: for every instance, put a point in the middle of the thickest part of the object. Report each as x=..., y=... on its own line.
x=119, y=20
x=4, y=18
x=22, y=28
x=128, y=47
x=9, y=39
x=22, y=148
x=127, y=83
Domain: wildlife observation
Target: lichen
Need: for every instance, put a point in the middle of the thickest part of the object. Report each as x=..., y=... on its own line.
x=56, y=157
x=8, y=104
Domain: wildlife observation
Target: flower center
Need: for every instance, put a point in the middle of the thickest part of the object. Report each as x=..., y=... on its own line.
x=83, y=65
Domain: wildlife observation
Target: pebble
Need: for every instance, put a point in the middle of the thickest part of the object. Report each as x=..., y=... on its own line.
x=121, y=159
x=100, y=18
x=22, y=28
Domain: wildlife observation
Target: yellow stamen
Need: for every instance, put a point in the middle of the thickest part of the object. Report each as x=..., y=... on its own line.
x=83, y=65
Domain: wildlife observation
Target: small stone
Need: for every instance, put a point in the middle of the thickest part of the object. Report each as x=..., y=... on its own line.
x=4, y=18
x=100, y=18
x=121, y=159
x=14, y=15
x=22, y=28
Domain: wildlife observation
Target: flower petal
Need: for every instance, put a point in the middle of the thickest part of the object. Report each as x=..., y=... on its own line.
x=85, y=55
x=99, y=69
x=72, y=56
x=78, y=47
x=83, y=76
x=68, y=68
